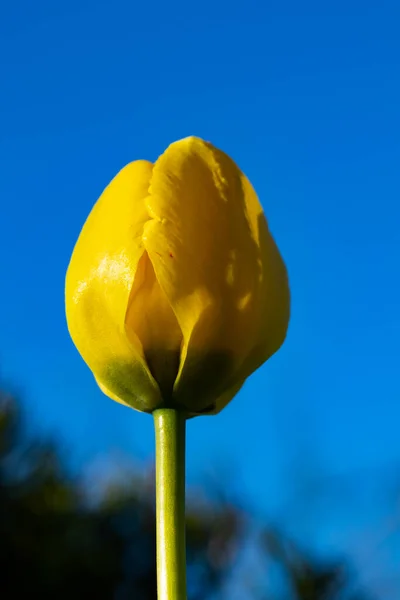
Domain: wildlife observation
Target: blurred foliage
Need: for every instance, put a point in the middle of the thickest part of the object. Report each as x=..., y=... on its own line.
x=308, y=578
x=54, y=543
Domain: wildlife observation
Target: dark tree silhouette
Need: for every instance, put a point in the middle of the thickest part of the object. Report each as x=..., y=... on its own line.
x=54, y=544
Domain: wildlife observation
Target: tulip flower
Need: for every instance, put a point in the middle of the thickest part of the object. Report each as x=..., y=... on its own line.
x=175, y=294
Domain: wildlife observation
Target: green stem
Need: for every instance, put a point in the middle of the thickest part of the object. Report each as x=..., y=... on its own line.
x=170, y=500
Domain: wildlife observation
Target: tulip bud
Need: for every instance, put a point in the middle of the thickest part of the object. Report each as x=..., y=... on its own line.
x=176, y=291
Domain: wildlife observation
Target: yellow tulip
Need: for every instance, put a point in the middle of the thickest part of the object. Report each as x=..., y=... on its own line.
x=176, y=291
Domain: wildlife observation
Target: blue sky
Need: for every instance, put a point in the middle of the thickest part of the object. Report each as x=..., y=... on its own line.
x=305, y=97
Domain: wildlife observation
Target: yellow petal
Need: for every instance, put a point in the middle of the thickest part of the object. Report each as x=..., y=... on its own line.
x=107, y=392
x=98, y=285
x=150, y=318
x=218, y=266
x=227, y=396
x=272, y=306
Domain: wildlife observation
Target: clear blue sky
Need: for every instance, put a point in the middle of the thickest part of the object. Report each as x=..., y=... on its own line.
x=305, y=96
